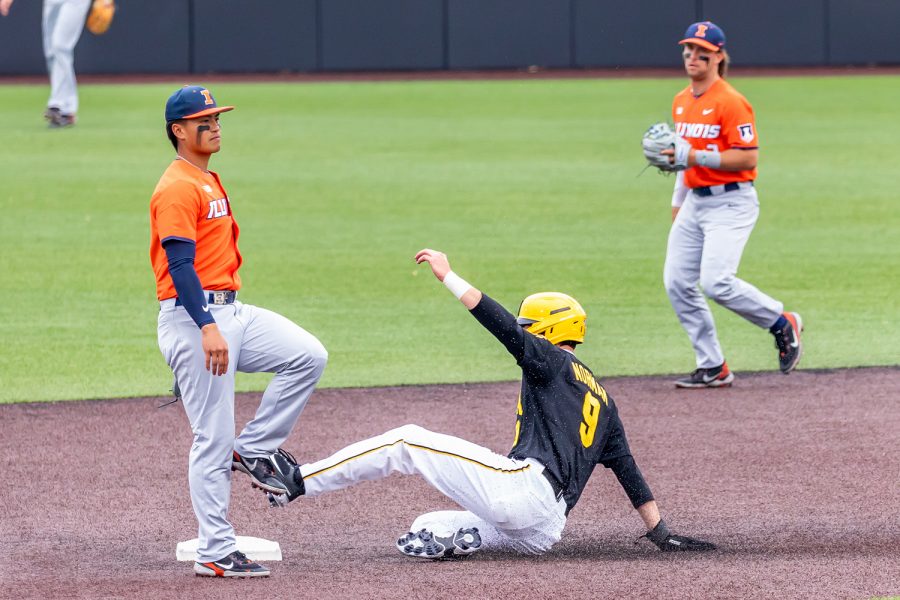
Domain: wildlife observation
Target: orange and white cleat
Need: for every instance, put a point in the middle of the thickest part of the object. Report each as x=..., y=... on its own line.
x=787, y=340
x=713, y=377
x=235, y=564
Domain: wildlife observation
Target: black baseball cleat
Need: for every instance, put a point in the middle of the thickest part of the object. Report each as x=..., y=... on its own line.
x=424, y=544
x=294, y=481
x=274, y=473
x=235, y=564
x=787, y=340
x=666, y=541
x=713, y=377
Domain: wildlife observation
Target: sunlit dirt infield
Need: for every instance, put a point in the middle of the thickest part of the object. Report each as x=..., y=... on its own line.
x=795, y=477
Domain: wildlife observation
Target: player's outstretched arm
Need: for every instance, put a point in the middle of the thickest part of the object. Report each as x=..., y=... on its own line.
x=440, y=266
x=493, y=317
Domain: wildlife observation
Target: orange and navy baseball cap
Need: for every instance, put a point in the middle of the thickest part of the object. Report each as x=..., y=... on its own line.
x=192, y=102
x=705, y=34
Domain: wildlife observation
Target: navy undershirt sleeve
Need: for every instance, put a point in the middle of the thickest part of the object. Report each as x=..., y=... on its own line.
x=187, y=285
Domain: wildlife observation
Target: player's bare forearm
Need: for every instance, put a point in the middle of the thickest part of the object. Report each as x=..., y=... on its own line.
x=649, y=513
x=440, y=267
x=471, y=298
x=4, y=7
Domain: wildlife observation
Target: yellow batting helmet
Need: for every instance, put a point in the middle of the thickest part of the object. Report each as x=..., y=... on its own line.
x=554, y=316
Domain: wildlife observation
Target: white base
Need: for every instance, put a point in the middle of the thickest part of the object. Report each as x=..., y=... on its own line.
x=255, y=548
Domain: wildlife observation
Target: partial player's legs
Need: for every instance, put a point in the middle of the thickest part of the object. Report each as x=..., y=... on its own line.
x=727, y=222
x=681, y=275
x=272, y=343
x=209, y=404
x=510, y=495
x=63, y=22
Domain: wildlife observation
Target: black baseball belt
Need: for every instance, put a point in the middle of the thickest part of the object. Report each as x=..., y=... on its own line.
x=216, y=297
x=556, y=485
x=715, y=190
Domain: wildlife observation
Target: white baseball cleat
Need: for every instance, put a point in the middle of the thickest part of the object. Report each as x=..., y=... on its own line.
x=424, y=544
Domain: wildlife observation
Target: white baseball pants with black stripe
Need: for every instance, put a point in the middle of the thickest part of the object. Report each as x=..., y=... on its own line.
x=62, y=24
x=259, y=340
x=509, y=501
x=706, y=242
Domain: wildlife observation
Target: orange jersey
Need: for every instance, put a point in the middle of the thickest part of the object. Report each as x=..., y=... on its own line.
x=189, y=204
x=719, y=119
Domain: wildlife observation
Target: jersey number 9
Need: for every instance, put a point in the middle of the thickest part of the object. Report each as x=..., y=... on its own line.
x=591, y=413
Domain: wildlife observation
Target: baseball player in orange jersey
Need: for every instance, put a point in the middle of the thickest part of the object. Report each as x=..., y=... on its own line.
x=714, y=209
x=206, y=334
x=566, y=424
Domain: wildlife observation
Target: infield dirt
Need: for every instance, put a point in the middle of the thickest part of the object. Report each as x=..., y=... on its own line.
x=795, y=478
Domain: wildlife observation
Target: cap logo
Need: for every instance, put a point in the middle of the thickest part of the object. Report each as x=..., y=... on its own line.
x=701, y=31
x=208, y=97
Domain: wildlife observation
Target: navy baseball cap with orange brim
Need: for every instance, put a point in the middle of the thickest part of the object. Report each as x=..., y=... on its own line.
x=705, y=34
x=192, y=102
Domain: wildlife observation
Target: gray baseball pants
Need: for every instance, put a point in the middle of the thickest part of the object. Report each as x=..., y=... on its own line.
x=62, y=24
x=258, y=341
x=706, y=242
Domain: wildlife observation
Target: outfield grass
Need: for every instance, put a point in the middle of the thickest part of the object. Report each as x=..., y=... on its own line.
x=527, y=185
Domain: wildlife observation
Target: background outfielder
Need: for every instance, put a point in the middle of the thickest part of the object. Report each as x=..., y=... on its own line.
x=62, y=22
x=566, y=425
x=714, y=210
x=206, y=334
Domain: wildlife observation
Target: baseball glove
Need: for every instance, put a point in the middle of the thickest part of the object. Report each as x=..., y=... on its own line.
x=659, y=137
x=100, y=16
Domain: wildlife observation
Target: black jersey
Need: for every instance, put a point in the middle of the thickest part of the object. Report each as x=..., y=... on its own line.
x=565, y=419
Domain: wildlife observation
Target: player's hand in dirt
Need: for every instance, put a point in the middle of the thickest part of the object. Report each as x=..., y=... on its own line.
x=667, y=541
